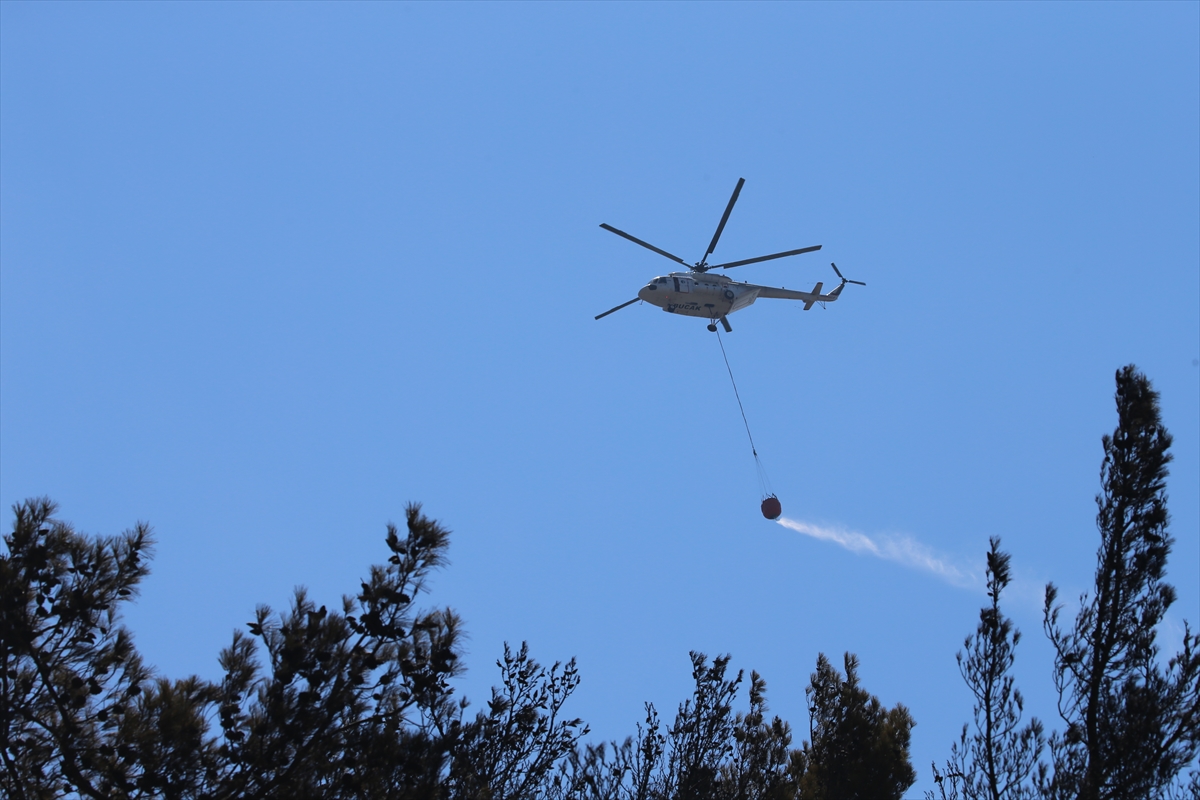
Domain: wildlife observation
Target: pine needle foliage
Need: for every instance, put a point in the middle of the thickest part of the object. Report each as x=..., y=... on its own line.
x=708, y=752
x=1132, y=717
x=510, y=752
x=348, y=703
x=357, y=703
x=858, y=749
x=1000, y=759
x=78, y=709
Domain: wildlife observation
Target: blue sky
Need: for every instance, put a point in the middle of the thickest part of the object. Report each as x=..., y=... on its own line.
x=270, y=271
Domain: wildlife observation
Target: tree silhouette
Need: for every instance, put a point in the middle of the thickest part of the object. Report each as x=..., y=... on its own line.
x=349, y=702
x=999, y=761
x=357, y=702
x=510, y=752
x=1133, y=723
x=858, y=749
x=79, y=709
x=762, y=764
x=708, y=752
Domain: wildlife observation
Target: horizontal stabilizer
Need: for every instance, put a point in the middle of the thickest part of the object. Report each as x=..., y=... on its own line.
x=817, y=291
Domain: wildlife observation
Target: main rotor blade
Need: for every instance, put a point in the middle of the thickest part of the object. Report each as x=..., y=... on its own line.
x=646, y=245
x=767, y=258
x=736, y=191
x=618, y=308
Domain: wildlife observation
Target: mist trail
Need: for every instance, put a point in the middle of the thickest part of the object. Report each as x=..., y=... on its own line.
x=900, y=549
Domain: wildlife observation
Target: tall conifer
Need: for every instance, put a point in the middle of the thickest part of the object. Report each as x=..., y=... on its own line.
x=859, y=749
x=1133, y=718
x=999, y=761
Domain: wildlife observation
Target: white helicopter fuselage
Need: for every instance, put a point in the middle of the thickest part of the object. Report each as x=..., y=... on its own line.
x=700, y=293
x=714, y=296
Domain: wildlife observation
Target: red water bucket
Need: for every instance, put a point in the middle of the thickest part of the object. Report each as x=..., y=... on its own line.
x=771, y=509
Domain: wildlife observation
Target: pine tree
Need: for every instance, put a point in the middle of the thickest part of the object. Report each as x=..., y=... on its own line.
x=763, y=766
x=999, y=761
x=350, y=704
x=858, y=749
x=512, y=752
x=709, y=752
x=356, y=702
x=1133, y=721
x=79, y=711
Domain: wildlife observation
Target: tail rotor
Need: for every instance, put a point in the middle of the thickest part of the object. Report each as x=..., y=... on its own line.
x=845, y=280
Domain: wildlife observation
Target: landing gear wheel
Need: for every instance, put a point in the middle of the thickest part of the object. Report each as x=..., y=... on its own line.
x=713, y=327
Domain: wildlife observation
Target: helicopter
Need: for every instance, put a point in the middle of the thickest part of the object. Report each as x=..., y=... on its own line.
x=696, y=293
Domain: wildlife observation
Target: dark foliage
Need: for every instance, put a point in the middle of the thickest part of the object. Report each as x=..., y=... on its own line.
x=350, y=703
x=708, y=752
x=1133, y=722
x=510, y=752
x=999, y=761
x=80, y=713
x=353, y=703
x=356, y=702
x=859, y=749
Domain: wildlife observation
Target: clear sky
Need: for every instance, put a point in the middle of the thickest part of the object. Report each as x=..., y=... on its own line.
x=270, y=271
